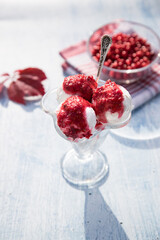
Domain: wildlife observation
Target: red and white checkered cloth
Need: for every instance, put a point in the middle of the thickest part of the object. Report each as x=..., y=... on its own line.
x=77, y=60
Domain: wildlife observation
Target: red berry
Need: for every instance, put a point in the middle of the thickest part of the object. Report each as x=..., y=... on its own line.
x=144, y=64
x=124, y=53
x=106, y=64
x=117, y=56
x=135, y=59
x=115, y=64
x=134, y=55
x=128, y=61
x=129, y=67
x=116, y=51
x=145, y=58
x=139, y=53
x=124, y=66
x=148, y=54
x=138, y=64
x=133, y=65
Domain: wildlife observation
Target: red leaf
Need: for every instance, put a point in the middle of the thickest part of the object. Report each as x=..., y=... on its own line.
x=33, y=72
x=1, y=86
x=25, y=83
x=15, y=93
x=33, y=83
x=18, y=90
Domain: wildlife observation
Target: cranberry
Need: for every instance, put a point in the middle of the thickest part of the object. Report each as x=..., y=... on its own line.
x=139, y=53
x=138, y=64
x=117, y=50
x=124, y=54
x=117, y=56
x=133, y=65
x=144, y=64
x=134, y=55
x=145, y=59
x=135, y=59
x=115, y=64
x=107, y=63
x=128, y=61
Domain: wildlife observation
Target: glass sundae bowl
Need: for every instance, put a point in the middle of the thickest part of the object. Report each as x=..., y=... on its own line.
x=84, y=166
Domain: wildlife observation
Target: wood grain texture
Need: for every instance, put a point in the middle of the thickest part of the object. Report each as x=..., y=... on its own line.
x=35, y=201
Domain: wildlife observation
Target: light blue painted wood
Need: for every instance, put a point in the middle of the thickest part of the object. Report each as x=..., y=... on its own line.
x=35, y=201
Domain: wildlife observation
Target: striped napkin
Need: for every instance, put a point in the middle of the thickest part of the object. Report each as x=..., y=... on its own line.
x=77, y=60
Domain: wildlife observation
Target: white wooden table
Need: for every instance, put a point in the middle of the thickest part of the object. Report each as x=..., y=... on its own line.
x=35, y=201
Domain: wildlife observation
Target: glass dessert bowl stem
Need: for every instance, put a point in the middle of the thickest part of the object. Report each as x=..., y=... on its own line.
x=84, y=166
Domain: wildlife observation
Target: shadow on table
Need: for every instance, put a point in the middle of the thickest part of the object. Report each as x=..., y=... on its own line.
x=139, y=143
x=30, y=106
x=4, y=99
x=100, y=222
x=143, y=131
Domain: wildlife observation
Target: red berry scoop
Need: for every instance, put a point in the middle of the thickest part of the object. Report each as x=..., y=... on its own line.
x=108, y=98
x=72, y=117
x=128, y=51
x=79, y=84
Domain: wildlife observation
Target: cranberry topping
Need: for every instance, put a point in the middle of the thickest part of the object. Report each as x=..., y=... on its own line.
x=80, y=85
x=71, y=118
x=128, y=51
x=108, y=97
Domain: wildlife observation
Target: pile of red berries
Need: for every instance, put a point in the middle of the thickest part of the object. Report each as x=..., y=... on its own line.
x=128, y=51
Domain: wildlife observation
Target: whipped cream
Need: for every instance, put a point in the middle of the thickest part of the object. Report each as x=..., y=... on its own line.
x=91, y=118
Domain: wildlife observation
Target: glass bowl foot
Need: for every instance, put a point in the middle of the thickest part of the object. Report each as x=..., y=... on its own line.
x=85, y=172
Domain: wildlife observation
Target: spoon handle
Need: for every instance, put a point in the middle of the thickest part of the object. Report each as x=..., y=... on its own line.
x=106, y=42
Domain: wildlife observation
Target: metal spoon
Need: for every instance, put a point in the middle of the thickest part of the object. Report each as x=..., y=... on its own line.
x=106, y=42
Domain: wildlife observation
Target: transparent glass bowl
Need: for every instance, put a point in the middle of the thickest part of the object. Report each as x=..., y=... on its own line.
x=125, y=76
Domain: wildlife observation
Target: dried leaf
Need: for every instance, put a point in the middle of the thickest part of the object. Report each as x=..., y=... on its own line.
x=25, y=83
x=15, y=93
x=33, y=72
x=33, y=83
x=1, y=86
x=18, y=90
